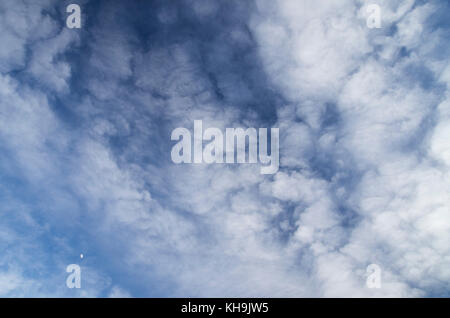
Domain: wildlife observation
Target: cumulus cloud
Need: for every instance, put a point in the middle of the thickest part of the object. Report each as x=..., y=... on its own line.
x=384, y=112
x=86, y=117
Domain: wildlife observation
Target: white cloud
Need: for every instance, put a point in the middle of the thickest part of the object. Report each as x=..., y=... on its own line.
x=371, y=187
x=401, y=200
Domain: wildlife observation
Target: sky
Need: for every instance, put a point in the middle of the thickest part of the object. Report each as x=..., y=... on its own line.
x=86, y=117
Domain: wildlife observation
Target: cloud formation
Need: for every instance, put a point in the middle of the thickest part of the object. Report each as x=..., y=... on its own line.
x=85, y=122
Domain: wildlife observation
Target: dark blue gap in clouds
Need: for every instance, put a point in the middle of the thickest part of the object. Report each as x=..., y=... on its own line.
x=227, y=67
